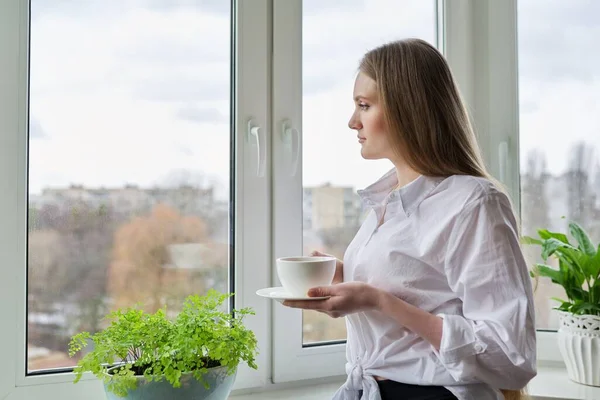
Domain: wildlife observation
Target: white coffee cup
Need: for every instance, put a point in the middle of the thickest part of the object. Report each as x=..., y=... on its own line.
x=299, y=274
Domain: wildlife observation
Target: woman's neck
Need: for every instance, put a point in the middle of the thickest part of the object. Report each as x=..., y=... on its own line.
x=405, y=174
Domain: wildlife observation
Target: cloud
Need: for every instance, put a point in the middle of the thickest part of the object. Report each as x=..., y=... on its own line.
x=173, y=88
x=168, y=50
x=205, y=6
x=94, y=9
x=332, y=54
x=72, y=8
x=314, y=84
x=201, y=115
x=319, y=7
x=558, y=40
x=185, y=150
x=558, y=78
x=139, y=71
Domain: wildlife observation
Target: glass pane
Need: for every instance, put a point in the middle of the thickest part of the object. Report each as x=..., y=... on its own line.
x=129, y=162
x=559, y=86
x=332, y=209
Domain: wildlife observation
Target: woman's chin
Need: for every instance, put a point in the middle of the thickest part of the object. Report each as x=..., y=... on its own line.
x=368, y=155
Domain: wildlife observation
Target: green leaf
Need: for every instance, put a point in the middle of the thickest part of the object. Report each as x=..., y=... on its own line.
x=590, y=266
x=585, y=244
x=550, y=245
x=548, y=272
x=530, y=240
x=594, y=266
x=546, y=234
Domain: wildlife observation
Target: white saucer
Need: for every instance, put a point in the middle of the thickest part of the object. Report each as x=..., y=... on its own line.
x=279, y=294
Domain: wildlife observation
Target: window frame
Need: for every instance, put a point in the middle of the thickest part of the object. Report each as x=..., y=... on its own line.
x=291, y=361
x=250, y=89
x=479, y=39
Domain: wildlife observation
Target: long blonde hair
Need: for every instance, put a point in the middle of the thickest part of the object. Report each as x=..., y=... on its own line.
x=425, y=115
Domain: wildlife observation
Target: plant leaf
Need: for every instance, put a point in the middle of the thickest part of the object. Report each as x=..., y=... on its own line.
x=594, y=267
x=585, y=244
x=546, y=234
x=531, y=240
x=550, y=245
x=546, y=271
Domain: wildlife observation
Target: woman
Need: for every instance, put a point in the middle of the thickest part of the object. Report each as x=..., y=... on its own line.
x=434, y=286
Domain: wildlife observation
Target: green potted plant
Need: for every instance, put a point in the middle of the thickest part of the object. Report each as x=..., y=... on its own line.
x=149, y=356
x=578, y=272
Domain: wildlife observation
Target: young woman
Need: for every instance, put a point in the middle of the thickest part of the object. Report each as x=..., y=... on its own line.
x=434, y=286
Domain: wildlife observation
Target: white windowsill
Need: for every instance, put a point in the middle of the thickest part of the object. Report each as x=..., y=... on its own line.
x=551, y=383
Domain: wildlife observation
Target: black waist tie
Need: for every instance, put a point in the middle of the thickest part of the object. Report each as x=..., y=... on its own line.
x=391, y=390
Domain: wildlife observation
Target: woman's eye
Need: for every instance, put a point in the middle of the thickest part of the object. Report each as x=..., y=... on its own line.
x=363, y=106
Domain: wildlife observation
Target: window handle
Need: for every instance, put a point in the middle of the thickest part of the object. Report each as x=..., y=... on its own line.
x=255, y=132
x=291, y=140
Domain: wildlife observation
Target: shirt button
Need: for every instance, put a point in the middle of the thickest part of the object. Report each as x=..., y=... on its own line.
x=478, y=348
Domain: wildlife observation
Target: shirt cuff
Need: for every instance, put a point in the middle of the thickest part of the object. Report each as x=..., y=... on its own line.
x=458, y=340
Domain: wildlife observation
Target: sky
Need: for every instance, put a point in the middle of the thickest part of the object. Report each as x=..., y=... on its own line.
x=137, y=91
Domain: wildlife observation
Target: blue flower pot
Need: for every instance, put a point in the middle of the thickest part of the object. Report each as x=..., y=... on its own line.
x=219, y=388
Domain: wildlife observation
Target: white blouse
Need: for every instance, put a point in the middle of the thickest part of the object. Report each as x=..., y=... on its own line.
x=450, y=247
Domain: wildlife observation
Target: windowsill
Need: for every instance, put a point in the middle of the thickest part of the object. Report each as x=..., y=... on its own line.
x=551, y=383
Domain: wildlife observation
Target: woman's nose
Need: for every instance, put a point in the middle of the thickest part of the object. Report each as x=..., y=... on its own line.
x=354, y=123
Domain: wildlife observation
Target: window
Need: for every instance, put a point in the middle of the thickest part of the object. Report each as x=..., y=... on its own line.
x=126, y=202
x=117, y=117
x=559, y=139
x=332, y=167
x=126, y=146
x=313, y=78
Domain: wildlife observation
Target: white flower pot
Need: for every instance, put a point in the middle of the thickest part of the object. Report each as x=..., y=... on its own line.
x=579, y=344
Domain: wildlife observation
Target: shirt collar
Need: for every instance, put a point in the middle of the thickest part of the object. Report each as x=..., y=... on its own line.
x=408, y=197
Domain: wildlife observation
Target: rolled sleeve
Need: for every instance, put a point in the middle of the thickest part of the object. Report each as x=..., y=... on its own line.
x=493, y=341
x=458, y=340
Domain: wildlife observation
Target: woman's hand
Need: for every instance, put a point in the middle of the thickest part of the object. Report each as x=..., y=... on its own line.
x=339, y=266
x=346, y=298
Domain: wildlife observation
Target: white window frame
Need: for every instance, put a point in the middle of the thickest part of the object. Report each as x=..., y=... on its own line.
x=252, y=202
x=291, y=361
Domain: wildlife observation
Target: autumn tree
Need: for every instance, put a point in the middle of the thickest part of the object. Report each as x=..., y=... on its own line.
x=141, y=270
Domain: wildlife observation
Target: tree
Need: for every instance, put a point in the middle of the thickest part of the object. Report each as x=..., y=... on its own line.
x=194, y=193
x=534, y=194
x=87, y=235
x=580, y=193
x=139, y=271
x=47, y=272
x=68, y=254
x=535, y=215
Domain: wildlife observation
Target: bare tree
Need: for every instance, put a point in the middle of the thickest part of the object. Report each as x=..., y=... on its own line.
x=534, y=193
x=580, y=194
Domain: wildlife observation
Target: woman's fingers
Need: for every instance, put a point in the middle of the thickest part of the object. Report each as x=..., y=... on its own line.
x=306, y=305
